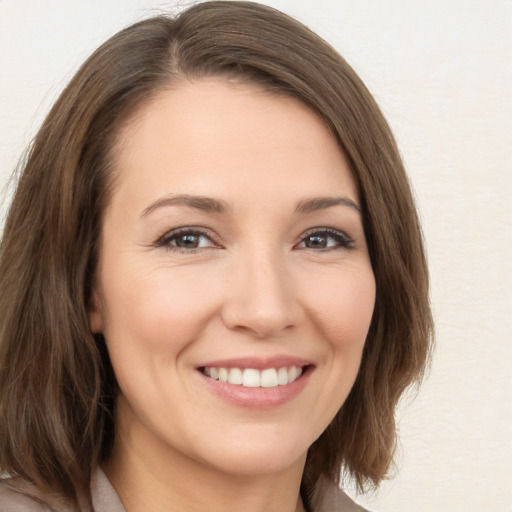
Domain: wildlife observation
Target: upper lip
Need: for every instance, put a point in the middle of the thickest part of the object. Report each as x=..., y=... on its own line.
x=258, y=363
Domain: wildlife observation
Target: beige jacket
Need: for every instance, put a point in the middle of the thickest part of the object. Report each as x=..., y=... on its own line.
x=19, y=497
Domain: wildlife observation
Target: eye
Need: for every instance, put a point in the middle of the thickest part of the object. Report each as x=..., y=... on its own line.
x=185, y=239
x=322, y=239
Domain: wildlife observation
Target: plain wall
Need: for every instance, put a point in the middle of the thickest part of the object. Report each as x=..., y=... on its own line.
x=441, y=71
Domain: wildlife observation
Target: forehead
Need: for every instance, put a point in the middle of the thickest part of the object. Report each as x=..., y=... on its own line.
x=211, y=136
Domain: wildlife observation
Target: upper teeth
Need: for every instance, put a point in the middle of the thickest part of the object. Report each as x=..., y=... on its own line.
x=252, y=378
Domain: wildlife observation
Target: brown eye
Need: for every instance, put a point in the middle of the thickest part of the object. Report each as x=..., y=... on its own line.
x=185, y=239
x=325, y=239
x=190, y=241
x=316, y=242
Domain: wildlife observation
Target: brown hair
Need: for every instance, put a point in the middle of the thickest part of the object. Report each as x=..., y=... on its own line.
x=57, y=389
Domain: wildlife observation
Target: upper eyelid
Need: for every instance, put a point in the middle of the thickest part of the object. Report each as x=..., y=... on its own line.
x=196, y=230
x=327, y=230
x=346, y=241
x=323, y=229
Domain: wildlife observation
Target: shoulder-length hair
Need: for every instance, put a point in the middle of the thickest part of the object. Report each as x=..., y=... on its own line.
x=57, y=388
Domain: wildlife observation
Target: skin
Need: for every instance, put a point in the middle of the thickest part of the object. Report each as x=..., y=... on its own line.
x=265, y=279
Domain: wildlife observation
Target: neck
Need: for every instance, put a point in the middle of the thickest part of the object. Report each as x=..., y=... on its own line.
x=159, y=478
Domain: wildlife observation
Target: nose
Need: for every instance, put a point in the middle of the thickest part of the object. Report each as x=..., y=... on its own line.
x=261, y=300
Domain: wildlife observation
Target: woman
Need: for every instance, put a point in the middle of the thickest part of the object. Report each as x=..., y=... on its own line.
x=214, y=289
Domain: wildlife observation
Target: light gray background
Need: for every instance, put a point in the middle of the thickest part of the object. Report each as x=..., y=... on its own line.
x=441, y=71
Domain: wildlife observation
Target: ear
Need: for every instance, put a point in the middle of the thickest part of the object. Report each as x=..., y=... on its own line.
x=96, y=313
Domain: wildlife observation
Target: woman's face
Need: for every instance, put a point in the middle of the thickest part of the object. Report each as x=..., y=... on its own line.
x=234, y=287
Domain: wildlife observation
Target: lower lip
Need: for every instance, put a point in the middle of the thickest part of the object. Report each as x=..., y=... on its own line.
x=257, y=398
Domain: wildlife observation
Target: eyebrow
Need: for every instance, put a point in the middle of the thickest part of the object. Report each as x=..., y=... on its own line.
x=321, y=203
x=206, y=204
x=211, y=205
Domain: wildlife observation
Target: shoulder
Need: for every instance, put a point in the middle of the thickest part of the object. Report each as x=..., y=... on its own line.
x=17, y=497
x=330, y=498
x=104, y=497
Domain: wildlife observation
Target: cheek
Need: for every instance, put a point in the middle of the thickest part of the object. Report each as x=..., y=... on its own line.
x=345, y=307
x=159, y=311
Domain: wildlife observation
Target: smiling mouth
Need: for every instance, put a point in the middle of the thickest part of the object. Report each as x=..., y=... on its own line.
x=254, y=378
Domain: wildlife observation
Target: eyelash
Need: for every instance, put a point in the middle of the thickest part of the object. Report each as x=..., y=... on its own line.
x=167, y=239
x=341, y=239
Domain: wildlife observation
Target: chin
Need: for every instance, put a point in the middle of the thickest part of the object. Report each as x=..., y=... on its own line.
x=263, y=462
x=257, y=455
